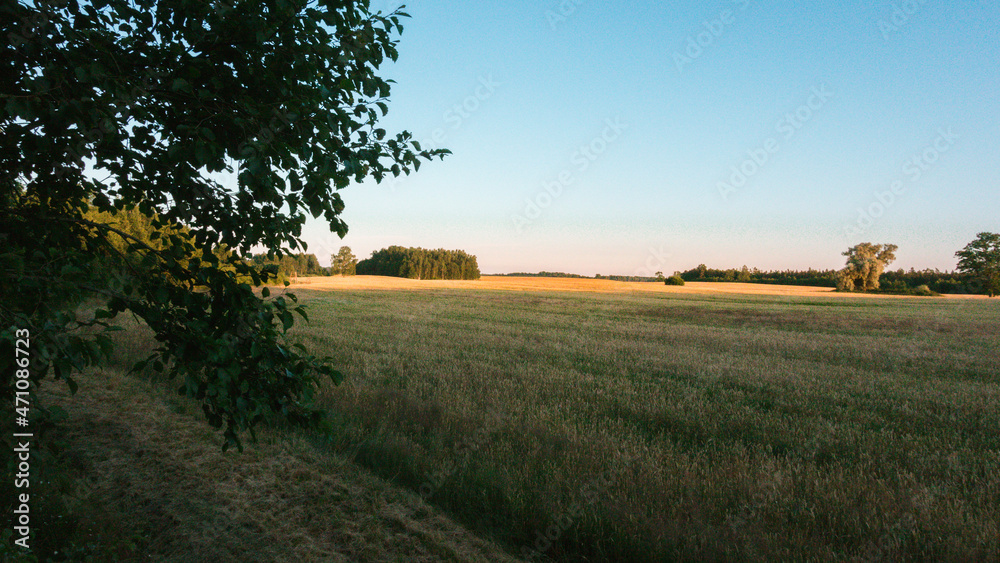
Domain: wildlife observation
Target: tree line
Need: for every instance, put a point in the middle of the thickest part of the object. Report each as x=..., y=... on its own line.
x=292, y=265
x=978, y=272
x=891, y=281
x=543, y=274
x=810, y=277
x=136, y=228
x=421, y=264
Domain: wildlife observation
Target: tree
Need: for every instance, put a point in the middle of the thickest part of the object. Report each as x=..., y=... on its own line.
x=744, y=275
x=119, y=104
x=420, y=263
x=343, y=263
x=675, y=279
x=865, y=264
x=981, y=259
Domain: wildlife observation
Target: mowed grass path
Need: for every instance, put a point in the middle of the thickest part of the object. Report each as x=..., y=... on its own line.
x=651, y=425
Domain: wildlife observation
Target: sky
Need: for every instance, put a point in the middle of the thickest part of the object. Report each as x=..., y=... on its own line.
x=606, y=138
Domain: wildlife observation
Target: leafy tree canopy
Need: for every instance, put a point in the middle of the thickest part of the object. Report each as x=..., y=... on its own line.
x=420, y=263
x=109, y=106
x=981, y=259
x=343, y=263
x=865, y=264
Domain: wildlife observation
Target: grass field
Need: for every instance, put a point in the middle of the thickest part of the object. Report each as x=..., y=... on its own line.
x=576, y=420
x=152, y=484
x=586, y=419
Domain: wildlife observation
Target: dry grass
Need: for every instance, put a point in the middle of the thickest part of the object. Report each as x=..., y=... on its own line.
x=623, y=421
x=153, y=485
x=665, y=423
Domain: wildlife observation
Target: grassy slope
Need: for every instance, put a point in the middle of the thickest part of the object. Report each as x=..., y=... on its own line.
x=153, y=485
x=652, y=425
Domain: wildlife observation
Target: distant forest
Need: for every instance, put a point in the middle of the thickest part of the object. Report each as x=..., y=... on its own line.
x=895, y=281
x=421, y=264
x=810, y=277
x=416, y=263
x=596, y=277
x=543, y=275
x=292, y=265
x=892, y=281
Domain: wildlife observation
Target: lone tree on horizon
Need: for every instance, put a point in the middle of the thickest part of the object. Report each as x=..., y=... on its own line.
x=981, y=259
x=343, y=263
x=865, y=264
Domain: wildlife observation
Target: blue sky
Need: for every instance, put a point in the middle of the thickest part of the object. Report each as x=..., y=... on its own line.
x=598, y=137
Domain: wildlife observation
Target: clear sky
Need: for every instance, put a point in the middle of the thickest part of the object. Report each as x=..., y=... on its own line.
x=625, y=138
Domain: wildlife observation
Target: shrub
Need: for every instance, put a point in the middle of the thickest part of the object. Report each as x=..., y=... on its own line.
x=674, y=280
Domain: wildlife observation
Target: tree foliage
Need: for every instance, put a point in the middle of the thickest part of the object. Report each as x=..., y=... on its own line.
x=674, y=280
x=907, y=281
x=981, y=259
x=422, y=264
x=865, y=264
x=223, y=124
x=292, y=265
x=343, y=263
x=810, y=277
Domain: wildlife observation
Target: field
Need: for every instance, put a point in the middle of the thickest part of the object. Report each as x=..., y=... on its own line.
x=588, y=420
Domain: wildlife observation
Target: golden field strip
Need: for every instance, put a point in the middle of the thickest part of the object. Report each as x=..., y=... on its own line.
x=511, y=283
x=576, y=419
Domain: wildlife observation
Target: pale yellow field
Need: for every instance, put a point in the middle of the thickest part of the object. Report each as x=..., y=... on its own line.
x=504, y=283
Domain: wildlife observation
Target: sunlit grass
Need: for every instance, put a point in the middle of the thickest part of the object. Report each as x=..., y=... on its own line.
x=724, y=426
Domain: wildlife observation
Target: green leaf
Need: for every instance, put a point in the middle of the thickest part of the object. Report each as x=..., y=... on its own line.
x=292, y=132
x=337, y=377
